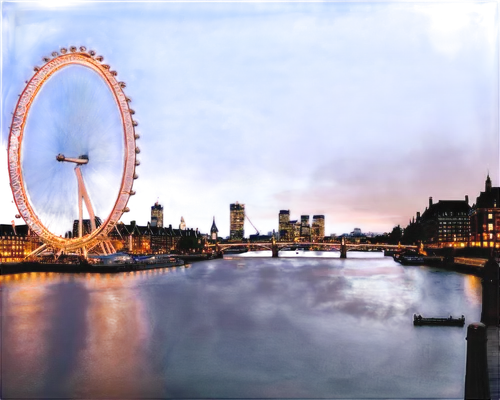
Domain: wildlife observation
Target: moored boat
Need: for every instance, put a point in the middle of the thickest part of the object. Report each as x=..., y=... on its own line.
x=450, y=321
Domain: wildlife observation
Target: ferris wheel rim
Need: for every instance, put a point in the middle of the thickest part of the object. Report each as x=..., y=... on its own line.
x=16, y=133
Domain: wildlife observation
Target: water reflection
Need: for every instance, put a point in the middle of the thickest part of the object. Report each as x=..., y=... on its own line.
x=117, y=326
x=24, y=359
x=245, y=327
x=473, y=289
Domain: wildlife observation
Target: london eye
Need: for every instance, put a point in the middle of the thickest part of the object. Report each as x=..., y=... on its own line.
x=72, y=152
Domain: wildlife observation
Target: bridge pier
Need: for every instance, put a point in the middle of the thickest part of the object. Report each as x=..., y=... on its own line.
x=490, y=283
x=343, y=248
x=274, y=248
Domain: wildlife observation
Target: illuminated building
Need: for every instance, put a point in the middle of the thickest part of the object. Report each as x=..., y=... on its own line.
x=284, y=225
x=157, y=215
x=305, y=228
x=318, y=228
x=148, y=239
x=295, y=230
x=16, y=242
x=485, y=217
x=446, y=223
x=236, y=221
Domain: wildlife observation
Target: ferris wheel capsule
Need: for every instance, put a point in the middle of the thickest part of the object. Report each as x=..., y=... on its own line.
x=72, y=49
x=99, y=58
x=64, y=50
x=55, y=54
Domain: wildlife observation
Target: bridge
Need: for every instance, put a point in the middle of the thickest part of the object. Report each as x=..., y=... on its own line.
x=342, y=246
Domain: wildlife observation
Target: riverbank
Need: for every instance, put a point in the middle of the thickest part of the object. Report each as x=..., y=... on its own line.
x=23, y=267
x=438, y=262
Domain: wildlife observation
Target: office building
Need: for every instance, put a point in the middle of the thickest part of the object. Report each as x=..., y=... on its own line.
x=318, y=228
x=305, y=228
x=157, y=215
x=284, y=225
x=485, y=218
x=236, y=221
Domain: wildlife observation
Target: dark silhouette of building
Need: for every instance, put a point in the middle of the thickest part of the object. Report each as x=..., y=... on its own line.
x=86, y=226
x=356, y=232
x=413, y=233
x=318, y=228
x=213, y=231
x=236, y=221
x=485, y=217
x=442, y=224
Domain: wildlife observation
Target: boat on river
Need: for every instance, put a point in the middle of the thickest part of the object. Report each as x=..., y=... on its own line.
x=418, y=320
x=409, y=258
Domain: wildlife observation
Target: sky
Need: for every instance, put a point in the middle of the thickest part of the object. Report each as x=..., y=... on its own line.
x=357, y=111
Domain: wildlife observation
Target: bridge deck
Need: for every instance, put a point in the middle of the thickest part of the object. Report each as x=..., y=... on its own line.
x=493, y=356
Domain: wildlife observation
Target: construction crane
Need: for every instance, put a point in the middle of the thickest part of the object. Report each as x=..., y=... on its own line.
x=256, y=230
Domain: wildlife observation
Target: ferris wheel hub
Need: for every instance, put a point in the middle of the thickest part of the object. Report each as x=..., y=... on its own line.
x=83, y=159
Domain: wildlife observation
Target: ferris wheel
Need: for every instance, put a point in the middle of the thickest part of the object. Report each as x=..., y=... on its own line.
x=72, y=152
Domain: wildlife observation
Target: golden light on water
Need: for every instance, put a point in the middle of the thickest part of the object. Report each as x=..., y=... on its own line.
x=473, y=289
x=118, y=332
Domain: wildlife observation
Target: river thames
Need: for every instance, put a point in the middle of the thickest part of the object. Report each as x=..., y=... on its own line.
x=240, y=327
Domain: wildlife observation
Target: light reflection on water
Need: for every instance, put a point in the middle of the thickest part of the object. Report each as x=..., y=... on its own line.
x=240, y=327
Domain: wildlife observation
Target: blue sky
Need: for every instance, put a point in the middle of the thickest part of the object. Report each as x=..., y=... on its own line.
x=358, y=111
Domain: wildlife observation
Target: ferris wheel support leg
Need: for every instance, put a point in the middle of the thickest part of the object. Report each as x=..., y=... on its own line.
x=112, y=249
x=80, y=214
x=35, y=252
x=82, y=194
x=103, y=248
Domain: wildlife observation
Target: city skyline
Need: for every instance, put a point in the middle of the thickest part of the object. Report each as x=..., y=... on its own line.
x=358, y=112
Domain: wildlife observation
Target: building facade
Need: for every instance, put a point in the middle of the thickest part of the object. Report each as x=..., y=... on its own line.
x=446, y=223
x=236, y=221
x=485, y=218
x=17, y=242
x=318, y=228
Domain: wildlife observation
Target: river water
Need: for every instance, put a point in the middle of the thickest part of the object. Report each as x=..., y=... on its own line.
x=241, y=327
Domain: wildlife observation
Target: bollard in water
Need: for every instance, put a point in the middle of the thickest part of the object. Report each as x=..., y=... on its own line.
x=490, y=306
x=477, y=382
